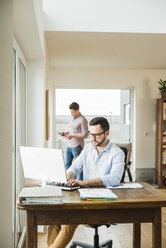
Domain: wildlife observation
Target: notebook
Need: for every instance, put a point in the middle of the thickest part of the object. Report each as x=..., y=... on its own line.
x=97, y=194
x=44, y=164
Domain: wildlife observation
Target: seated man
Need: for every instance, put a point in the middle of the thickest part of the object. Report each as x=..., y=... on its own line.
x=102, y=164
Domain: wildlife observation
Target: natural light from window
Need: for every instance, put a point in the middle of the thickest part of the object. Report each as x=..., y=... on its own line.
x=112, y=104
x=92, y=102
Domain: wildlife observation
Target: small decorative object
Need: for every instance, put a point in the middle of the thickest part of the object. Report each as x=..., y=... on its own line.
x=162, y=87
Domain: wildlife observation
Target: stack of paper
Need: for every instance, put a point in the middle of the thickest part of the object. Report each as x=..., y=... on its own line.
x=39, y=195
x=97, y=194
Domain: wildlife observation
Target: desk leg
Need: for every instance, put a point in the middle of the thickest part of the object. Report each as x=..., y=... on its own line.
x=31, y=230
x=156, y=241
x=137, y=235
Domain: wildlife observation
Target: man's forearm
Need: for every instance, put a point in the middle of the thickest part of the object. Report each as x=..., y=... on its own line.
x=89, y=183
x=81, y=137
x=85, y=183
x=94, y=182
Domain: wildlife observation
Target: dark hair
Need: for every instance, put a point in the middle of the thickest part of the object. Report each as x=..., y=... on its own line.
x=74, y=106
x=101, y=121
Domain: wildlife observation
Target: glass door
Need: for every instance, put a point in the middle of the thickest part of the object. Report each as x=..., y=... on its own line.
x=19, y=140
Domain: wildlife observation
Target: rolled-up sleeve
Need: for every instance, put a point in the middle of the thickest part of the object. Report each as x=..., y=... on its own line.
x=84, y=127
x=116, y=172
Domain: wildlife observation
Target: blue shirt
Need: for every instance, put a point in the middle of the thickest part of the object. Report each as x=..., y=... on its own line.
x=108, y=165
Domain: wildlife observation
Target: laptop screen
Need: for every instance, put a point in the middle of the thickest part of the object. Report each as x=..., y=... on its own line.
x=43, y=163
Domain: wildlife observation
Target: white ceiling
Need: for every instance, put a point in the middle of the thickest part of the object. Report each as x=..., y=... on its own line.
x=138, y=16
x=88, y=49
x=106, y=50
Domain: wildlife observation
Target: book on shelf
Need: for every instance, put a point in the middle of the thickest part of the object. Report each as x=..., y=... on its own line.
x=97, y=194
x=164, y=110
x=41, y=195
x=164, y=156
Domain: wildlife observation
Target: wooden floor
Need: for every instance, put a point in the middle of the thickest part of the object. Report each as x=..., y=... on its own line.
x=121, y=234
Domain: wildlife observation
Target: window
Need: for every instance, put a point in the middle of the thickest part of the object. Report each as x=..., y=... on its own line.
x=127, y=113
x=111, y=104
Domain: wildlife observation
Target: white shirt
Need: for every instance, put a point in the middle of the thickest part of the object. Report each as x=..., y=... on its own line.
x=108, y=165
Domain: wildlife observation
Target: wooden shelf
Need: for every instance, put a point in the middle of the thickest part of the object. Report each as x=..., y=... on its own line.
x=160, y=150
x=162, y=187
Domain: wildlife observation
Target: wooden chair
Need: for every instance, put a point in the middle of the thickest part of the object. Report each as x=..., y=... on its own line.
x=126, y=147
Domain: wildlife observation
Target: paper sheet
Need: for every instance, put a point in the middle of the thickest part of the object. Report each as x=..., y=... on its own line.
x=126, y=186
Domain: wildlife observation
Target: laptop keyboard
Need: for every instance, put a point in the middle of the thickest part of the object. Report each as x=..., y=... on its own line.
x=63, y=187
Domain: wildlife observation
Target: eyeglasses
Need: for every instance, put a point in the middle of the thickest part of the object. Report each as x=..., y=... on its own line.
x=95, y=135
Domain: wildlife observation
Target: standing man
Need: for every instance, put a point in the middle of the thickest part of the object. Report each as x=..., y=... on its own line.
x=102, y=164
x=78, y=131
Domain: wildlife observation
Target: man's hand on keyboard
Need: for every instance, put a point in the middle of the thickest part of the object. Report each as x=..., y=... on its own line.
x=75, y=182
x=61, y=184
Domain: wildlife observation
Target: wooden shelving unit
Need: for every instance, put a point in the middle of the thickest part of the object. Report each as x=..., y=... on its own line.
x=161, y=143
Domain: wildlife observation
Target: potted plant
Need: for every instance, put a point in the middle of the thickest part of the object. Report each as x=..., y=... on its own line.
x=162, y=87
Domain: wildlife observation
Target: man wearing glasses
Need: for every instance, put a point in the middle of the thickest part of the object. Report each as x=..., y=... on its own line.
x=101, y=161
x=102, y=164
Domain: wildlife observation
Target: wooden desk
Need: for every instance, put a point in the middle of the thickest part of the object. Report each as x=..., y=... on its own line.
x=134, y=206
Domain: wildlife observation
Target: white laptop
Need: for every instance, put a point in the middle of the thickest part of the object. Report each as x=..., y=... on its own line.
x=44, y=164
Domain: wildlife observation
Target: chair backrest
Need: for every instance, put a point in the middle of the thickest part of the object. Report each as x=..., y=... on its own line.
x=124, y=149
x=127, y=149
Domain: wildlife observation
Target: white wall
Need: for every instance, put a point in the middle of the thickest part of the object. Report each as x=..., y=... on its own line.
x=6, y=105
x=36, y=104
x=144, y=85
